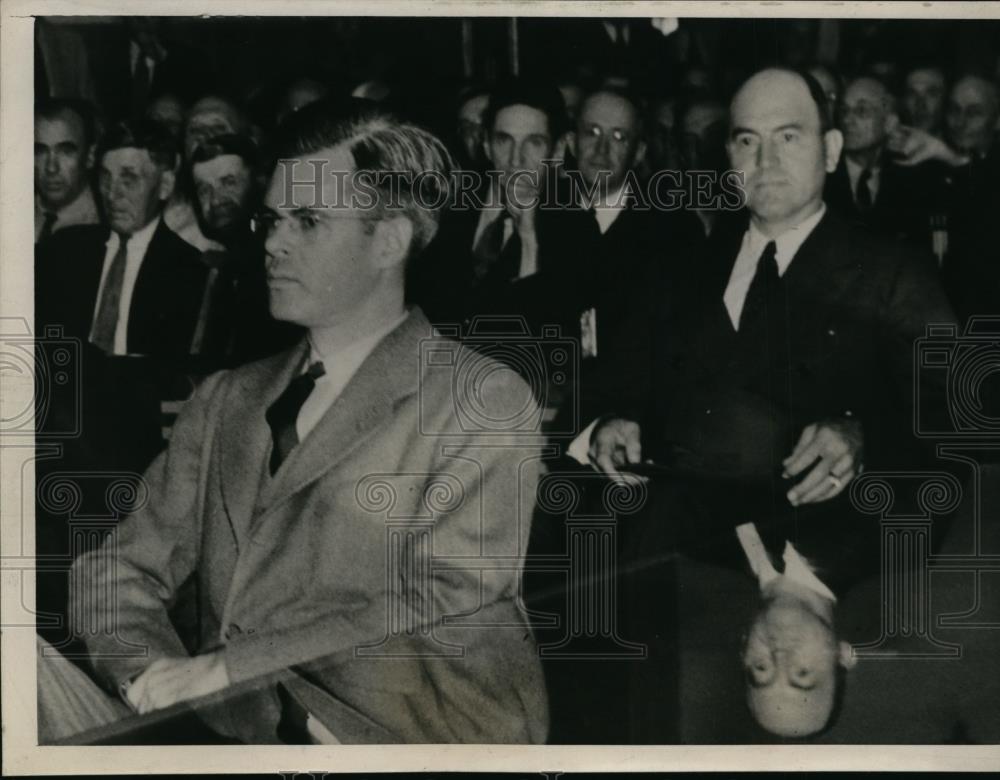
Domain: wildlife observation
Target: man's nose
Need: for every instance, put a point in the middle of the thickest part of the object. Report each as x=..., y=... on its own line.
x=51, y=163
x=603, y=146
x=767, y=154
x=277, y=242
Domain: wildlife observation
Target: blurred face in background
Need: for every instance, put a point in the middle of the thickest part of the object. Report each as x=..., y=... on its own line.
x=521, y=140
x=699, y=122
x=470, y=125
x=971, y=118
x=866, y=116
x=133, y=188
x=828, y=82
x=169, y=111
x=63, y=159
x=224, y=189
x=608, y=140
x=923, y=99
x=209, y=117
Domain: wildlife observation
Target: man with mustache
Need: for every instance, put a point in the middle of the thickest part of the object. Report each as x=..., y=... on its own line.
x=783, y=365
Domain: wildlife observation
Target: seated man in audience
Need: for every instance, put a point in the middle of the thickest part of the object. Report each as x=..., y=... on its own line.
x=134, y=287
x=867, y=187
x=236, y=325
x=512, y=249
x=279, y=482
x=922, y=105
x=783, y=359
x=970, y=197
x=210, y=116
x=64, y=159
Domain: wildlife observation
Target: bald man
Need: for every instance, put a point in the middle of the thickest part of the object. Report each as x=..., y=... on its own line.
x=783, y=366
x=867, y=187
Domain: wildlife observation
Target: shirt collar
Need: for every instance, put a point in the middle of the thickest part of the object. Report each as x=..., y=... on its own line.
x=138, y=242
x=83, y=208
x=788, y=243
x=362, y=347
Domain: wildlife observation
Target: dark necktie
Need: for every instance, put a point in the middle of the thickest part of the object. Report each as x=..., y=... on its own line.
x=284, y=412
x=863, y=195
x=493, y=256
x=111, y=296
x=47, y=225
x=763, y=291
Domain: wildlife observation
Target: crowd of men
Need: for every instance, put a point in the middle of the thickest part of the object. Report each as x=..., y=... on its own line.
x=744, y=346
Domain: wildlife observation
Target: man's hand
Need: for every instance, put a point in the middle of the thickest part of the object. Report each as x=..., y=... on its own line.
x=613, y=444
x=835, y=446
x=169, y=680
x=911, y=146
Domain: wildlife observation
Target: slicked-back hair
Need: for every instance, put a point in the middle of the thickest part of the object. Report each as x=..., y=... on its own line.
x=538, y=95
x=53, y=108
x=379, y=143
x=141, y=134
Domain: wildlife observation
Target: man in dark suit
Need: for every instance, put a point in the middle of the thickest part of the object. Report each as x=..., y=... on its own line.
x=136, y=288
x=328, y=459
x=514, y=247
x=784, y=366
x=235, y=325
x=867, y=187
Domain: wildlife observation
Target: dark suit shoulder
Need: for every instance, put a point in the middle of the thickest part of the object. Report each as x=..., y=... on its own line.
x=74, y=241
x=168, y=244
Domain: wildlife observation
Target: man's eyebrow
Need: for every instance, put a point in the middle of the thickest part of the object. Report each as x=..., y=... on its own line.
x=740, y=130
x=789, y=126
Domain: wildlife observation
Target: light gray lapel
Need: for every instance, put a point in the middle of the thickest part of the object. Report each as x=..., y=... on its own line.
x=389, y=374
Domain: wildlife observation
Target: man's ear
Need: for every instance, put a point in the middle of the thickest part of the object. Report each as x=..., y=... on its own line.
x=833, y=143
x=168, y=179
x=845, y=655
x=393, y=237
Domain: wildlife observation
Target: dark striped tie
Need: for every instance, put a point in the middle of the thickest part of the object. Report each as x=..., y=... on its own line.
x=284, y=412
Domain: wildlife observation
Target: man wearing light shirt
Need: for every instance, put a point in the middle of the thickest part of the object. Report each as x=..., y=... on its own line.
x=320, y=496
x=137, y=288
x=782, y=361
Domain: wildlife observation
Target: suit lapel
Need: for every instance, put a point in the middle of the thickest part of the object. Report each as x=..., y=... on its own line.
x=246, y=438
x=388, y=374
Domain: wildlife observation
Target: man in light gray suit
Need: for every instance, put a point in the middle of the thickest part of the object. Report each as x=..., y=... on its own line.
x=357, y=544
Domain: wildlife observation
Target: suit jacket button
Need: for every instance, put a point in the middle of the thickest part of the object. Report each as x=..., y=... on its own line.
x=708, y=411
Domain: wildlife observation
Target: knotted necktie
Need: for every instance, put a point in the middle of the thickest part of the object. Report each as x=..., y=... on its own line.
x=863, y=195
x=284, y=412
x=111, y=295
x=764, y=288
x=47, y=225
x=493, y=257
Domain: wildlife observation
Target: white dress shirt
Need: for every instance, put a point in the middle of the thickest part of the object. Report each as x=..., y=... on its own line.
x=854, y=171
x=136, y=248
x=786, y=245
x=606, y=214
x=82, y=210
x=797, y=568
x=529, y=243
x=339, y=367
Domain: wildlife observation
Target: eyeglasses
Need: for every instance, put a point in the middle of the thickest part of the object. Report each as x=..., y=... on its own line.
x=304, y=220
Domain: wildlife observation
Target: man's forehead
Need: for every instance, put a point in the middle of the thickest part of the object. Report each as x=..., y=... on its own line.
x=221, y=165
x=773, y=102
x=608, y=109
x=519, y=118
x=126, y=157
x=66, y=124
x=315, y=180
